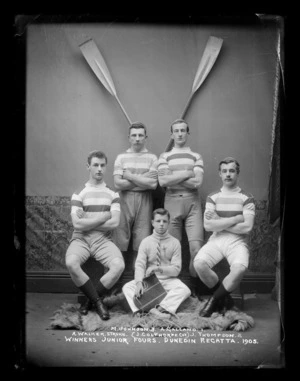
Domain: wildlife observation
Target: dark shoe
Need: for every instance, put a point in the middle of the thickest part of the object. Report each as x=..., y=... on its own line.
x=138, y=314
x=211, y=306
x=226, y=303
x=229, y=302
x=86, y=307
x=160, y=313
x=162, y=310
x=101, y=309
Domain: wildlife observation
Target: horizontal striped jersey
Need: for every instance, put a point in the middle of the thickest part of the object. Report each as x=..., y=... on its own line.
x=230, y=203
x=95, y=199
x=179, y=159
x=138, y=163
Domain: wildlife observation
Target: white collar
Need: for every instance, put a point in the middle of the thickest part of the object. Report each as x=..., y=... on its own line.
x=187, y=149
x=132, y=151
x=101, y=185
x=160, y=236
x=237, y=189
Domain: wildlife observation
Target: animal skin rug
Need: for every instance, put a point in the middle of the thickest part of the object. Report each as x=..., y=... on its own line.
x=187, y=316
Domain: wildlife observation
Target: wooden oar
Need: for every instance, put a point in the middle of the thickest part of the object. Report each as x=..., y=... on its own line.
x=208, y=59
x=94, y=58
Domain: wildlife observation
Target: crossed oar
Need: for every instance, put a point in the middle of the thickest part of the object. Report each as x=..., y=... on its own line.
x=98, y=65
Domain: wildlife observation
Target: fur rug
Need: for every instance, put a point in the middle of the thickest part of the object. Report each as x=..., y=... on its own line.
x=187, y=316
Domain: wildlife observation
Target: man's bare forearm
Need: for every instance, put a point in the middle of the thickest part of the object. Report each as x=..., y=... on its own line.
x=193, y=183
x=109, y=225
x=244, y=227
x=144, y=182
x=86, y=224
x=175, y=178
x=219, y=224
x=123, y=184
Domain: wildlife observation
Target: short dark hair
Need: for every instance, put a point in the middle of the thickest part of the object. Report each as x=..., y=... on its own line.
x=138, y=125
x=98, y=154
x=228, y=160
x=162, y=212
x=178, y=121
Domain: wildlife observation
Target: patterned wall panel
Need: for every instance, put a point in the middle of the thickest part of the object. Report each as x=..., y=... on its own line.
x=263, y=241
x=49, y=228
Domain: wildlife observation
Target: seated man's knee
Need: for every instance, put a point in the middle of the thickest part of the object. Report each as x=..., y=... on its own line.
x=200, y=265
x=72, y=264
x=117, y=265
x=187, y=291
x=194, y=247
x=239, y=269
x=127, y=287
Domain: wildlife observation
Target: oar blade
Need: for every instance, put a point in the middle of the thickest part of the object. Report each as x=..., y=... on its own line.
x=208, y=59
x=96, y=61
x=210, y=54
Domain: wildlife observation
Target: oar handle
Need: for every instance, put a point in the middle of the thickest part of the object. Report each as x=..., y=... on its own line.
x=187, y=105
x=171, y=141
x=170, y=145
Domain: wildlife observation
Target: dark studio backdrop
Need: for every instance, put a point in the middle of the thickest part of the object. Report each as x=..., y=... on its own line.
x=68, y=113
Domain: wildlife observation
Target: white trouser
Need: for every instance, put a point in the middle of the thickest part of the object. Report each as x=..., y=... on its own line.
x=177, y=292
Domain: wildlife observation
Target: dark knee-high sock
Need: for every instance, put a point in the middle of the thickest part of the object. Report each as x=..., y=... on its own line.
x=215, y=287
x=89, y=291
x=221, y=292
x=101, y=290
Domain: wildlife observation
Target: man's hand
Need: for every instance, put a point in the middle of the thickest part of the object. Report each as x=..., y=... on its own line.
x=211, y=215
x=191, y=173
x=80, y=213
x=139, y=290
x=239, y=218
x=188, y=173
x=153, y=269
x=150, y=270
x=108, y=215
x=127, y=174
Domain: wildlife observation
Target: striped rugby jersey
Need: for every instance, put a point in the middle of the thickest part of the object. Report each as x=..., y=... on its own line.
x=138, y=163
x=179, y=159
x=95, y=199
x=230, y=203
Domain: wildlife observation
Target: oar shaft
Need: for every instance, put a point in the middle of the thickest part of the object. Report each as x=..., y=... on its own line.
x=187, y=105
x=123, y=109
x=170, y=145
x=171, y=141
x=96, y=62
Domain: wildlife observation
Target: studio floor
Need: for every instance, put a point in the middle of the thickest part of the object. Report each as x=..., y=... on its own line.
x=259, y=347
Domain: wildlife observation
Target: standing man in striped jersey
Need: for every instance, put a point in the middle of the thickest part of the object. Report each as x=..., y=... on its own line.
x=135, y=176
x=95, y=212
x=181, y=172
x=229, y=214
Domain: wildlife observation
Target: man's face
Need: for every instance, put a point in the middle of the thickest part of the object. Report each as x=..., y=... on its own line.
x=160, y=223
x=137, y=138
x=229, y=175
x=97, y=169
x=179, y=134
